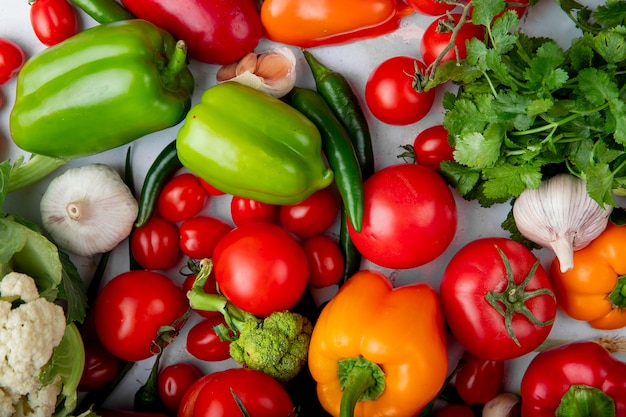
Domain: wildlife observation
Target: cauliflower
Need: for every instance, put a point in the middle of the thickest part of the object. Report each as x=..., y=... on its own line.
x=30, y=329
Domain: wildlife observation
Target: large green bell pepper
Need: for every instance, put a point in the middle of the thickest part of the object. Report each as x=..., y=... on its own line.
x=250, y=144
x=100, y=89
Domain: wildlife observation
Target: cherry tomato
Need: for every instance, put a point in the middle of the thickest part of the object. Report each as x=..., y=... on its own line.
x=199, y=235
x=410, y=217
x=431, y=147
x=53, y=21
x=101, y=367
x=431, y=7
x=261, y=268
x=438, y=36
x=210, y=189
x=245, y=210
x=312, y=216
x=391, y=96
x=210, y=287
x=325, y=261
x=204, y=343
x=11, y=59
x=173, y=381
x=478, y=380
x=455, y=410
x=131, y=309
x=155, y=244
x=181, y=198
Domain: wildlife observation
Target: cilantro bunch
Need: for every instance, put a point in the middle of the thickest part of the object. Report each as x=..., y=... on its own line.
x=526, y=109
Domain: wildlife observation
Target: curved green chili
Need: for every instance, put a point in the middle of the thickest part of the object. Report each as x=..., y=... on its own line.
x=351, y=255
x=338, y=149
x=104, y=11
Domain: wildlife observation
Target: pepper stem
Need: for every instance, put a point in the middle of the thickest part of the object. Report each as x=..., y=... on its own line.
x=360, y=379
x=177, y=62
x=585, y=401
x=618, y=295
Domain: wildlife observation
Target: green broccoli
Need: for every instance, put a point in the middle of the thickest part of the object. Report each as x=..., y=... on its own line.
x=277, y=345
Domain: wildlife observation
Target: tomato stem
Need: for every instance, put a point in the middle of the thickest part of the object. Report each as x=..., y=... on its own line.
x=360, y=379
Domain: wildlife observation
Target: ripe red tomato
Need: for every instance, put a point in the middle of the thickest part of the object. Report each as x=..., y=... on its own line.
x=53, y=21
x=431, y=7
x=245, y=210
x=101, y=366
x=261, y=268
x=199, y=235
x=181, y=198
x=203, y=342
x=475, y=277
x=455, y=410
x=438, y=36
x=410, y=217
x=478, y=380
x=312, y=216
x=210, y=287
x=390, y=93
x=210, y=189
x=131, y=309
x=11, y=59
x=431, y=147
x=173, y=381
x=155, y=244
x=212, y=395
x=325, y=261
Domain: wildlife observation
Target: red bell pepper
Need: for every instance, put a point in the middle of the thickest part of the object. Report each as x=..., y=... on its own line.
x=574, y=380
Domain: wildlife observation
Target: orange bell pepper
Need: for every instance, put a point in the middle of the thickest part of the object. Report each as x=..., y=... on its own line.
x=594, y=290
x=309, y=23
x=378, y=350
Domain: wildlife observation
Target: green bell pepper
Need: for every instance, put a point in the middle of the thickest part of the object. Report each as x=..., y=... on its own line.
x=250, y=144
x=100, y=89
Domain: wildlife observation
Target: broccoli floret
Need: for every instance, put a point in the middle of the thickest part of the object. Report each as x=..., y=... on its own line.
x=278, y=345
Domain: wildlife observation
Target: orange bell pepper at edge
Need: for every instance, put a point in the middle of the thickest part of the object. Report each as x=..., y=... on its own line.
x=594, y=290
x=400, y=331
x=329, y=22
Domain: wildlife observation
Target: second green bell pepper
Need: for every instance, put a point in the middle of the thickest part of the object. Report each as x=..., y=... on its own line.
x=100, y=89
x=249, y=144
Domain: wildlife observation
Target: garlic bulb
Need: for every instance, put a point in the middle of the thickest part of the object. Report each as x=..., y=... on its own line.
x=503, y=405
x=272, y=71
x=88, y=210
x=560, y=215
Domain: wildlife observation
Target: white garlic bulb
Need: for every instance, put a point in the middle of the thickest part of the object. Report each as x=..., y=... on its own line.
x=88, y=210
x=560, y=215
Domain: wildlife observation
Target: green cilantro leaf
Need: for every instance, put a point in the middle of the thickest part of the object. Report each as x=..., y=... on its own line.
x=480, y=150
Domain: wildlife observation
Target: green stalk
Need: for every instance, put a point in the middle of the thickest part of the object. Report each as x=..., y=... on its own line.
x=35, y=169
x=360, y=379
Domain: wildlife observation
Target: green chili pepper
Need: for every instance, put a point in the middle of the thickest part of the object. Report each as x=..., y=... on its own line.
x=250, y=144
x=337, y=148
x=100, y=89
x=104, y=11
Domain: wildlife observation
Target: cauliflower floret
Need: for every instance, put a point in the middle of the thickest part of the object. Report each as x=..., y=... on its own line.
x=6, y=404
x=30, y=328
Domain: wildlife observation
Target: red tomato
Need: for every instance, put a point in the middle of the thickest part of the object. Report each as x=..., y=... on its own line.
x=11, y=59
x=131, y=309
x=312, y=216
x=245, y=210
x=155, y=244
x=210, y=189
x=391, y=96
x=438, y=36
x=203, y=342
x=478, y=380
x=173, y=381
x=431, y=7
x=261, y=268
x=478, y=273
x=410, y=217
x=181, y=198
x=199, y=235
x=431, y=147
x=210, y=287
x=260, y=394
x=101, y=366
x=455, y=410
x=53, y=20
x=325, y=261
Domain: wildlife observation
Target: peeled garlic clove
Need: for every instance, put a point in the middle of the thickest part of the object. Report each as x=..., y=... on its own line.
x=272, y=71
x=560, y=215
x=88, y=210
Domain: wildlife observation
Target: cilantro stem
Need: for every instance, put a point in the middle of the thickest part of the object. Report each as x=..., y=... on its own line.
x=554, y=125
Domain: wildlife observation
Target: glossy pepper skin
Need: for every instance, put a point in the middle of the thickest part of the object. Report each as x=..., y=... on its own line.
x=312, y=23
x=100, y=89
x=249, y=144
x=568, y=380
x=594, y=290
x=399, y=329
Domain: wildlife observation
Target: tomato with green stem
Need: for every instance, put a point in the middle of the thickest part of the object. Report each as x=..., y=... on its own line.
x=173, y=382
x=210, y=287
x=205, y=344
x=443, y=37
x=430, y=147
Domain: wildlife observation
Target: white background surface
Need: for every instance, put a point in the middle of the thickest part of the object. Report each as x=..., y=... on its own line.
x=355, y=61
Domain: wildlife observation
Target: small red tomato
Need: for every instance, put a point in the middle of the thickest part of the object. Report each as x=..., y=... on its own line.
x=313, y=216
x=478, y=380
x=431, y=7
x=53, y=21
x=325, y=261
x=455, y=410
x=245, y=210
x=11, y=59
x=173, y=381
x=101, y=366
x=431, y=147
x=210, y=189
x=438, y=36
x=199, y=235
x=181, y=198
x=155, y=244
x=210, y=287
x=204, y=343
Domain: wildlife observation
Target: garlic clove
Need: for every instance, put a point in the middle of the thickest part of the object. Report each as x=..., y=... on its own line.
x=503, y=405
